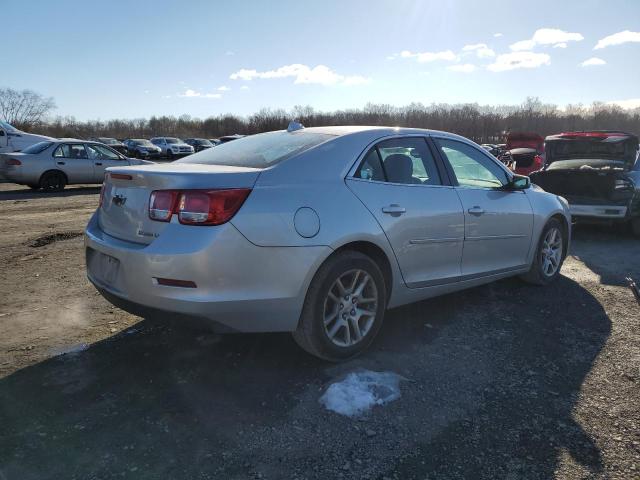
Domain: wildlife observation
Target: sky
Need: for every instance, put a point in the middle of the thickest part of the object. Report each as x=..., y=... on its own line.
x=131, y=59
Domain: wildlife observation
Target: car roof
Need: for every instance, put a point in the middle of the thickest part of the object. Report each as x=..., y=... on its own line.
x=379, y=131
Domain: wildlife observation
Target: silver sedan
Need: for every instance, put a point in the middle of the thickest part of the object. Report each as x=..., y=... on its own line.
x=51, y=165
x=318, y=231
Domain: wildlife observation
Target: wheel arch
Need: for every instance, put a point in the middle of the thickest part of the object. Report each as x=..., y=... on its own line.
x=566, y=230
x=377, y=254
x=54, y=170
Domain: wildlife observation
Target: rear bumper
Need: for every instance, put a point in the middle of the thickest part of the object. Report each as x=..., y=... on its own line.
x=612, y=212
x=240, y=286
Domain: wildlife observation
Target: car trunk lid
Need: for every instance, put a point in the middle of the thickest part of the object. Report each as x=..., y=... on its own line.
x=124, y=212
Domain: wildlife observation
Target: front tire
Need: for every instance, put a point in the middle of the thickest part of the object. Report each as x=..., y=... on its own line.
x=550, y=255
x=344, y=307
x=169, y=155
x=635, y=227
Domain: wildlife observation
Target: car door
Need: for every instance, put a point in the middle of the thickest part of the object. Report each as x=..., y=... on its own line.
x=73, y=160
x=103, y=158
x=404, y=186
x=4, y=141
x=160, y=142
x=498, y=222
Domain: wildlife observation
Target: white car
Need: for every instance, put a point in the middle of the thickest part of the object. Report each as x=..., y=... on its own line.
x=14, y=140
x=172, y=147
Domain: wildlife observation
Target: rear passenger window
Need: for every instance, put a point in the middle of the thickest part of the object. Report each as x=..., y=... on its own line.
x=70, y=151
x=400, y=160
x=371, y=167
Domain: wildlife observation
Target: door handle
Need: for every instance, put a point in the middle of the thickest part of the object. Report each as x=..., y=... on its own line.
x=98, y=163
x=394, y=209
x=476, y=211
x=60, y=163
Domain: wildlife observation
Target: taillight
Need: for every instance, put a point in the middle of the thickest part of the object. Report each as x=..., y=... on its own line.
x=162, y=204
x=13, y=161
x=197, y=207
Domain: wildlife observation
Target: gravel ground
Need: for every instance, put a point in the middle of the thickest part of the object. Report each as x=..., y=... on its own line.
x=501, y=381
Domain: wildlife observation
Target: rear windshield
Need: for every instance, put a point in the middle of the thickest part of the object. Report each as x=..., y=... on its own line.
x=258, y=151
x=173, y=140
x=37, y=147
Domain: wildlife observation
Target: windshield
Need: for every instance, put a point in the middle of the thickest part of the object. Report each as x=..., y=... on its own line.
x=144, y=143
x=173, y=140
x=258, y=151
x=108, y=141
x=7, y=127
x=37, y=147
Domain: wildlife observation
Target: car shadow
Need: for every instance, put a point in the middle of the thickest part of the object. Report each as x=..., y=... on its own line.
x=493, y=375
x=25, y=193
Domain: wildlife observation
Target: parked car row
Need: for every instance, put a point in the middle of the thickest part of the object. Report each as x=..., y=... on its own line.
x=166, y=147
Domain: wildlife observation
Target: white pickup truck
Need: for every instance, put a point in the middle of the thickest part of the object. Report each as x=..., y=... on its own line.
x=14, y=140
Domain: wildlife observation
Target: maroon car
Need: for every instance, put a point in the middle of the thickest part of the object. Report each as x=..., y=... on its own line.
x=524, y=152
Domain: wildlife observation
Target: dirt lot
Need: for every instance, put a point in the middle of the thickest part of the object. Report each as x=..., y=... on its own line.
x=502, y=381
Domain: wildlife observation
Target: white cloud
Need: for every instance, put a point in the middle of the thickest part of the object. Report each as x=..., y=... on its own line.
x=618, y=39
x=423, y=57
x=481, y=50
x=244, y=87
x=593, y=61
x=229, y=53
x=463, y=67
x=516, y=60
x=560, y=45
x=546, y=36
x=189, y=93
x=629, y=104
x=320, y=74
x=497, y=35
x=223, y=88
x=522, y=45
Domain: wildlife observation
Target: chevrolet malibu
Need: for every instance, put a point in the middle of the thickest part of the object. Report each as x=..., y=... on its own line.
x=318, y=231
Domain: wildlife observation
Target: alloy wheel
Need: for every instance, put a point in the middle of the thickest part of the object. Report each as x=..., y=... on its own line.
x=551, y=252
x=350, y=308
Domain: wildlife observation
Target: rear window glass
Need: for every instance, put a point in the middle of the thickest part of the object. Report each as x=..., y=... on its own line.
x=258, y=151
x=37, y=147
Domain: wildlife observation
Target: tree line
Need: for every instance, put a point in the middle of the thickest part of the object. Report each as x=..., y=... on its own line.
x=481, y=123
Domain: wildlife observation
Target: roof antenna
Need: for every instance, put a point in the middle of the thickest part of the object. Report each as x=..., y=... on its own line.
x=294, y=125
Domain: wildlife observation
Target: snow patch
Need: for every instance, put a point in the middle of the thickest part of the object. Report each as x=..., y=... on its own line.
x=360, y=391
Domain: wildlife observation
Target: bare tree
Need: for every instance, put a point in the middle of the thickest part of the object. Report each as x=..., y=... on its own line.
x=24, y=109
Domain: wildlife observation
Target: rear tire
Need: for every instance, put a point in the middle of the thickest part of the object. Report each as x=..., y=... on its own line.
x=53, y=182
x=549, y=256
x=344, y=307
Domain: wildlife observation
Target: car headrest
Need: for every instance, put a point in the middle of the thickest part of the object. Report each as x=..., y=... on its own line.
x=399, y=168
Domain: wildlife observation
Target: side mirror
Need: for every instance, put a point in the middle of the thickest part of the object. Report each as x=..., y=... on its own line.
x=518, y=182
